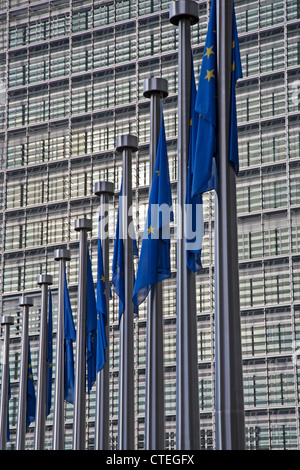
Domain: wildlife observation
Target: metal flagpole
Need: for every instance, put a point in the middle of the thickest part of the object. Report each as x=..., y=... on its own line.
x=126, y=144
x=184, y=13
x=103, y=189
x=58, y=443
x=155, y=89
x=6, y=321
x=82, y=226
x=44, y=280
x=24, y=302
x=230, y=425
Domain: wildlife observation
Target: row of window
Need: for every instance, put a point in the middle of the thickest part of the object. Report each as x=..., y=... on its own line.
x=58, y=103
x=46, y=28
x=256, y=147
x=100, y=54
x=259, y=194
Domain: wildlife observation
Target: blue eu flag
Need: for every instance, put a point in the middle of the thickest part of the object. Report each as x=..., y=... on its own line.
x=91, y=325
x=194, y=206
x=49, y=355
x=206, y=105
x=30, y=408
x=154, y=262
x=69, y=337
x=101, y=309
x=118, y=261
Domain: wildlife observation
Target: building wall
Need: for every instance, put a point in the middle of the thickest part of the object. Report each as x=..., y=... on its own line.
x=72, y=77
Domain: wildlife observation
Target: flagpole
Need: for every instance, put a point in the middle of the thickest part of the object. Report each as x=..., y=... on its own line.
x=44, y=280
x=24, y=302
x=184, y=13
x=126, y=144
x=103, y=189
x=82, y=226
x=155, y=89
x=230, y=424
x=58, y=443
x=6, y=322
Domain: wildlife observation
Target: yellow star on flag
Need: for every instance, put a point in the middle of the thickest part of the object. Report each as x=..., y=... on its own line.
x=151, y=229
x=157, y=172
x=209, y=51
x=102, y=278
x=209, y=74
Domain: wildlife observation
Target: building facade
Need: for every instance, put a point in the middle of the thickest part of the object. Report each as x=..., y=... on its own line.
x=71, y=81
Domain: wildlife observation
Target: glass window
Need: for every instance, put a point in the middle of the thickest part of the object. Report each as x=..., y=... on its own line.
x=277, y=286
x=253, y=340
x=249, y=57
x=271, y=13
x=247, y=17
x=293, y=47
x=58, y=187
x=255, y=390
x=81, y=20
x=58, y=144
x=59, y=62
x=103, y=14
x=249, y=149
x=248, y=106
x=272, y=100
x=81, y=99
x=59, y=103
x=249, y=196
x=274, y=193
x=16, y=152
x=81, y=142
x=272, y=53
x=293, y=9
x=251, y=288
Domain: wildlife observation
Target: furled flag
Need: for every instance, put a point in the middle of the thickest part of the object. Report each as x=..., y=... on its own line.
x=69, y=337
x=194, y=206
x=91, y=326
x=49, y=355
x=31, y=402
x=118, y=261
x=101, y=308
x=206, y=105
x=154, y=262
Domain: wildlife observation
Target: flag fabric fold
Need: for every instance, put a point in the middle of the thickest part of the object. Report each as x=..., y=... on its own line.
x=49, y=355
x=91, y=326
x=69, y=337
x=194, y=206
x=154, y=262
x=31, y=401
x=101, y=310
x=118, y=260
x=206, y=104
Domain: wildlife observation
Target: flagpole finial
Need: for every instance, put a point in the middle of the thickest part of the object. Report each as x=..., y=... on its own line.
x=83, y=224
x=44, y=279
x=184, y=9
x=62, y=253
x=156, y=84
x=104, y=187
x=6, y=320
x=127, y=141
x=25, y=301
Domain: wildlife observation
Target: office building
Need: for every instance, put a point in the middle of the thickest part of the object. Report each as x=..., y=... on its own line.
x=72, y=76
